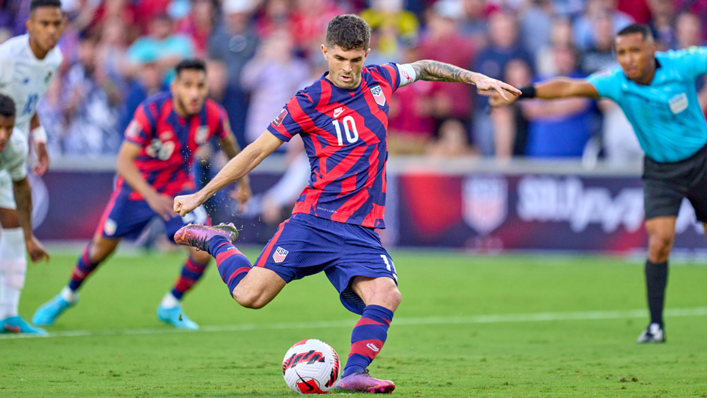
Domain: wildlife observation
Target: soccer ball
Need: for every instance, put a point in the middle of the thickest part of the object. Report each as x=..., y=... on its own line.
x=311, y=367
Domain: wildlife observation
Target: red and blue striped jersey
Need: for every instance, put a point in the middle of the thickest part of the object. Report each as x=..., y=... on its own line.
x=345, y=136
x=168, y=143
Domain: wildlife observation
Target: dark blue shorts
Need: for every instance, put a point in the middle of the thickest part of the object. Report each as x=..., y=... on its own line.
x=305, y=245
x=125, y=219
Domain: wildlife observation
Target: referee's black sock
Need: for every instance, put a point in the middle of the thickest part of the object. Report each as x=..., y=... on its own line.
x=656, y=280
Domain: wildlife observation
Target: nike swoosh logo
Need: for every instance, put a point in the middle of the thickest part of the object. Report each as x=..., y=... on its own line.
x=13, y=329
x=309, y=388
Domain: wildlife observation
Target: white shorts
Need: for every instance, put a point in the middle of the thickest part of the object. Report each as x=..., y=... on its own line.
x=7, y=198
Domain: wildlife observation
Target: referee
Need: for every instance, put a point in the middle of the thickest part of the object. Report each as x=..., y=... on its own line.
x=657, y=93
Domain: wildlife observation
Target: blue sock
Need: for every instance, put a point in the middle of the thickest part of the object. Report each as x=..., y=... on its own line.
x=367, y=338
x=232, y=265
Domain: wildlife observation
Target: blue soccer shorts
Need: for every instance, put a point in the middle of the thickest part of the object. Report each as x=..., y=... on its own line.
x=305, y=245
x=126, y=219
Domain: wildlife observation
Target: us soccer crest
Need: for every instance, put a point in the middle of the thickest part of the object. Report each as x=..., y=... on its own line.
x=280, y=255
x=485, y=203
x=377, y=92
x=201, y=133
x=110, y=227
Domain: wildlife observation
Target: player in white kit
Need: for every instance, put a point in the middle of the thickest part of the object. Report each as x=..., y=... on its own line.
x=13, y=162
x=28, y=64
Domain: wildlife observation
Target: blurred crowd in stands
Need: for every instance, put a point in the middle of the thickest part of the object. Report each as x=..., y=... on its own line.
x=260, y=52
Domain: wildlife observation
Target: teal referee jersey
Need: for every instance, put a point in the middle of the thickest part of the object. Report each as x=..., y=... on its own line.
x=665, y=114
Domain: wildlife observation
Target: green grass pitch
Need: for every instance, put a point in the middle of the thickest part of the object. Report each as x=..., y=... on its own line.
x=468, y=326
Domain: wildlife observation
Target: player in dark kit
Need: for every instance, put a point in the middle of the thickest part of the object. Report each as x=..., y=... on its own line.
x=342, y=119
x=154, y=165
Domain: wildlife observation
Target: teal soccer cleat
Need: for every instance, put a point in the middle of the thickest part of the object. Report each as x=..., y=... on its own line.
x=15, y=324
x=175, y=316
x=47, y=313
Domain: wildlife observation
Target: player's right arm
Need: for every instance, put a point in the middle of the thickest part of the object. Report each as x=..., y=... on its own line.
x=236, y=168
x=161, y=204
x=23, y=200
x=557, y=88
x=16, y=166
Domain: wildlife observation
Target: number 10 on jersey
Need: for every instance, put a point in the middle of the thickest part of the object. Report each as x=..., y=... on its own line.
x=349, y=129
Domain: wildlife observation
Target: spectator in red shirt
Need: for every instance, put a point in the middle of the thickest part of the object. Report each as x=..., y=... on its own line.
x=636, y=9
x=120, y=10
x=277, y=14
x=410, y=125
x=443, y=43
x=198, y=25
x=148, y=10
x=310, y=21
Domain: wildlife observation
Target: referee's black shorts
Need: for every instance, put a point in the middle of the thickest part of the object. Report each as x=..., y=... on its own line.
x=666, y=184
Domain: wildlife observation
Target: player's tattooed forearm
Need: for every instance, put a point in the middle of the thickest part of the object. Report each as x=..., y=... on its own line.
x=441, y=72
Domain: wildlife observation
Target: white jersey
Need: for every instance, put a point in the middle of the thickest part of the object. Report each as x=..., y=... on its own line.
x=14, y=157
x=24, y=78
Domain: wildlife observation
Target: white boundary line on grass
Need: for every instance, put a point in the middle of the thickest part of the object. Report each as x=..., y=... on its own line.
x=498, y=318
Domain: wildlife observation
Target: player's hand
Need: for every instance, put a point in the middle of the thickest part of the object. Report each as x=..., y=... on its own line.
x=36, y=250
x=42, y=159
x=185, y=204
x=495, y=99
x=242, y=193
x=161, y=204
x=485, y=83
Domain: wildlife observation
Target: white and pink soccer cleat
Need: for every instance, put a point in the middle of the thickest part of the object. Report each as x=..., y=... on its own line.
x=363, y=382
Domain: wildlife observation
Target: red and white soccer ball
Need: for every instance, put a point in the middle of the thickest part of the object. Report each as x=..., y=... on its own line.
x=311, y=367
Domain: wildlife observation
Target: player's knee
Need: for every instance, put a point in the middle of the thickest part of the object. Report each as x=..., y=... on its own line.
x=96, y=253
x=248, y=298
x=388, y=297
x=99, y=250
x=395, y=298
x=659, y=246
x=251, y=302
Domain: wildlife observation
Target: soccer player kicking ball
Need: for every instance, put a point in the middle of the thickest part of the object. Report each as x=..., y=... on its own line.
x=343, y=119
x=28, y=64
x=154, y=165
x=657, y=93
x=13, y=161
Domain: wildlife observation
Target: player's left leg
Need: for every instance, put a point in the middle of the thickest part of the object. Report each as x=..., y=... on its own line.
x=300, y=247
x=661, y=234
x=13, y=268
